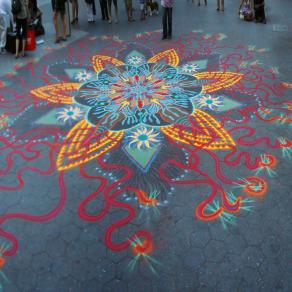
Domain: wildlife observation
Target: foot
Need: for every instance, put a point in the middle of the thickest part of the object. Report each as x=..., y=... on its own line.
x=164, y=38
x=23, y=55
x=63, y=39
x=199, y=4
x=16, y=56
x=110, y=21
x=217, y=9
x=264, y=21
x=57, y=40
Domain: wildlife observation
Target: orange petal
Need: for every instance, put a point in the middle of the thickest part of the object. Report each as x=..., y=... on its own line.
x=170, y=56
x=205, y=133
x=56, y=93
x=83, y=144
x=218, y=80
x=99, y=62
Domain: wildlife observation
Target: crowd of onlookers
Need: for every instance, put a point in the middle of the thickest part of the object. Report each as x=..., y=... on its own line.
x=16, y=15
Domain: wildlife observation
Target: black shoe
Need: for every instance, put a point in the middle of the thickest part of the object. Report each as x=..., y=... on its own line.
x=164, y=38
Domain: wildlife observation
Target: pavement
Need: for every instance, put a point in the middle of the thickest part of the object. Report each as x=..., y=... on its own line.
x=190, y=193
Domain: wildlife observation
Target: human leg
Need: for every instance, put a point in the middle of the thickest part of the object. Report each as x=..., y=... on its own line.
x=164, y=23
x=116, y=10
x=64, y=24
x=169, y=23
x=24, y=34
x=3, y=32
x=109, y=9
x=55, y=21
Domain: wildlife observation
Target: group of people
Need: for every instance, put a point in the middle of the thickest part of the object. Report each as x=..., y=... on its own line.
x=30, y=13
x=27, y=13
x=109, y=12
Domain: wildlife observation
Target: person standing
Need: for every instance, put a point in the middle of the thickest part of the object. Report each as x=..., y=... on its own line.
x=59, y=9
x=167, y=18
x=199, y=2
x=142, y=9
x=259, y=11
x=220, y=5
x=103, y=9
x=3, y=30
x=129, y=9
x=109, y=7
x=6, y=18
x=75, y=10
x=21, y=19
x=91, y=11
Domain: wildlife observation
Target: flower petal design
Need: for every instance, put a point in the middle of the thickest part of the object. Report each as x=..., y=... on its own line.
x=218, y=80
x=170, y=56
x=99, y=62
x=57, y=93
x=83, y=144
x=205, y=133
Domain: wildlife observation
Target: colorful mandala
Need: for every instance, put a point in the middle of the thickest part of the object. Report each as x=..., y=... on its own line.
x=147, y=121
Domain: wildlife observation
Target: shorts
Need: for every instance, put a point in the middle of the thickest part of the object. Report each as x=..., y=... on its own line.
x=59, y=6
x=21, y=28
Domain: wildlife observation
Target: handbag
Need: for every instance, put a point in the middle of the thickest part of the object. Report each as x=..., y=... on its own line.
x=30, y=39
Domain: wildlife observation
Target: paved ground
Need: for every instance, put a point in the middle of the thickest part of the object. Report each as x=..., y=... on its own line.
x=85, y=208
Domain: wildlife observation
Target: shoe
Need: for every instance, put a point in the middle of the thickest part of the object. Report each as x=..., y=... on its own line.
x=63, y=39
x=164, y=38
x=110, y=21
x=169, y=37
x=16, y=56
x=264, y=21
x=57, y=40
x=24, y=55
x=217, y=9
x=199, y=4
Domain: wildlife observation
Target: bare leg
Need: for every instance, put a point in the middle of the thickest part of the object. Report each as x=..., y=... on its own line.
x=23, y=46
x=16, y=47
x=55, y=20
x=64, y=26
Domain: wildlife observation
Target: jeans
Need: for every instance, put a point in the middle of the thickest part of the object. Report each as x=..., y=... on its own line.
x=167, y=21
x=3, y=29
